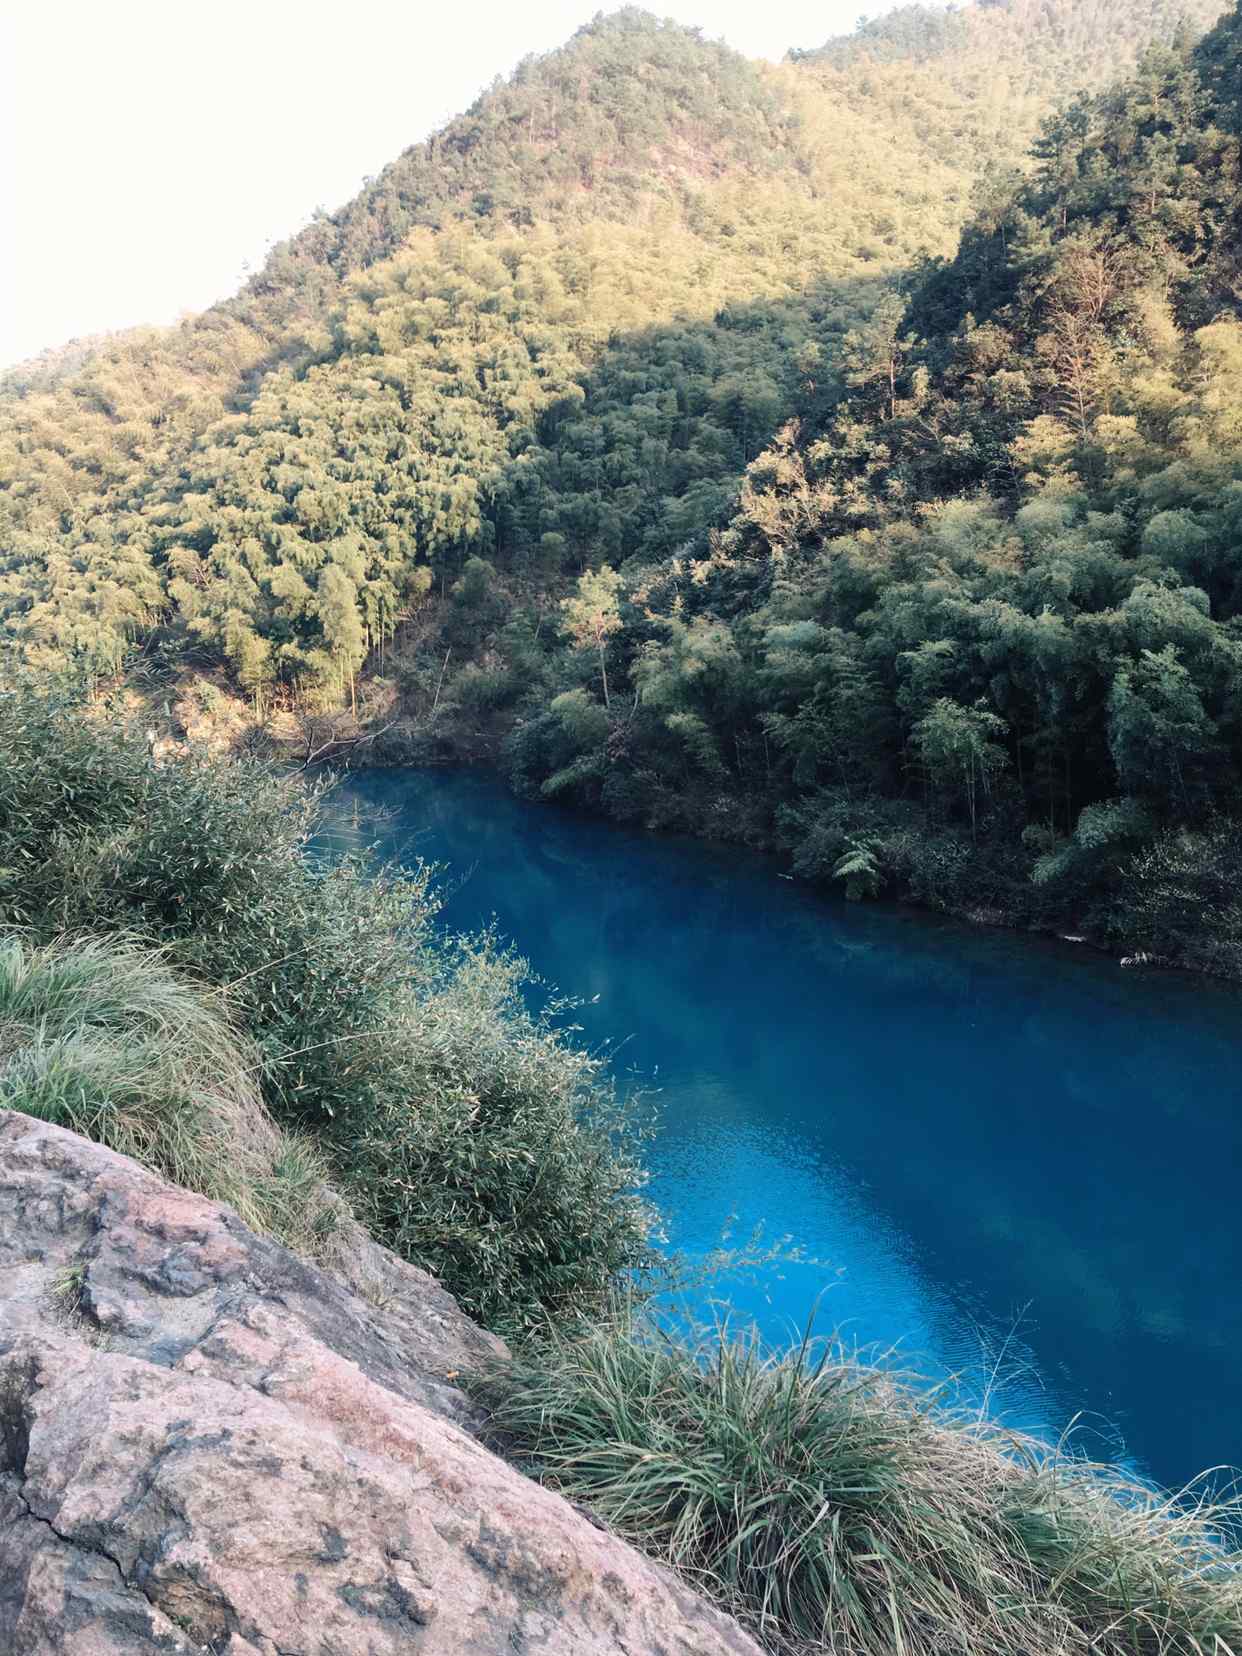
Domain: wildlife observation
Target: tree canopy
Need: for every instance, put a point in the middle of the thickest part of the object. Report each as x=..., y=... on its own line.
x=555, y=333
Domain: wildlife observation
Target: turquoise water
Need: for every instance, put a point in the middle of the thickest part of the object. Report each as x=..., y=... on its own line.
x=1006, y=1157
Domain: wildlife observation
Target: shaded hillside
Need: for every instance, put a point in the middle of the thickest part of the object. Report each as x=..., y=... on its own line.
x=976, y=636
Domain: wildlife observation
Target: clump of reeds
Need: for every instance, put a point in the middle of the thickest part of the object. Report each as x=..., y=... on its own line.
x=104, y=1037
x=835, y=1506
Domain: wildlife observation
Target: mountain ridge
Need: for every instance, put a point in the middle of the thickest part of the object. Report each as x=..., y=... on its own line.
x=88, y=461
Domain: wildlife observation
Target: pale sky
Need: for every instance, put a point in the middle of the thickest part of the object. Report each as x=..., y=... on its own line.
x=152, y=149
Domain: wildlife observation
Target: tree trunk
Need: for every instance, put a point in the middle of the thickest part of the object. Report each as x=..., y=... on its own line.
x=440, y=680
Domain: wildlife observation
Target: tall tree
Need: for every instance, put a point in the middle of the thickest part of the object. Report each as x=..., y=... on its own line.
x=593, y=615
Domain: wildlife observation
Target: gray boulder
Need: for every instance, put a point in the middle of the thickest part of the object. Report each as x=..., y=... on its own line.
x=207, y=1444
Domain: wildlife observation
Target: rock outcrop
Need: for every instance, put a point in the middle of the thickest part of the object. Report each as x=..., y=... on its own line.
x=208, y=1445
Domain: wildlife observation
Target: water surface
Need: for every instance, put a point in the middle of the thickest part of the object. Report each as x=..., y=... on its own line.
x=993, y=1148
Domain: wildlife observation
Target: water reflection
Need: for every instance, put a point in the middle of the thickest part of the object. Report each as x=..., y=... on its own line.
x=972, y=1133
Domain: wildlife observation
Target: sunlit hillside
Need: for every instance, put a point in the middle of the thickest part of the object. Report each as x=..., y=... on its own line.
x=613, y=280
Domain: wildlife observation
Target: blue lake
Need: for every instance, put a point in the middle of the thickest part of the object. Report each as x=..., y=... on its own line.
x=1003, y=1155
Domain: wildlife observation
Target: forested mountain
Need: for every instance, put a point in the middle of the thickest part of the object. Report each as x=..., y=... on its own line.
x=614, y=278
x=977, y=634
x=911, y=554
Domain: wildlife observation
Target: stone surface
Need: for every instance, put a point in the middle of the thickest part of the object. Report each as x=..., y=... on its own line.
x=208, y=1445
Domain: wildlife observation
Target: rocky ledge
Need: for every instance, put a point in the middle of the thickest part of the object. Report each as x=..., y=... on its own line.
x=208, y=1445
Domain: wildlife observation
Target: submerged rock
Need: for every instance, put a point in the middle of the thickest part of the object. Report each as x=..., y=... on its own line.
x=207, y=1444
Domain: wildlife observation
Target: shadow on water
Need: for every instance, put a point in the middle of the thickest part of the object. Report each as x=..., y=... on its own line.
x=992, y=1147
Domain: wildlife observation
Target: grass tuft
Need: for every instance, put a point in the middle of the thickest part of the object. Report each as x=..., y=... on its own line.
x=104, y=1037
x=836, y=1507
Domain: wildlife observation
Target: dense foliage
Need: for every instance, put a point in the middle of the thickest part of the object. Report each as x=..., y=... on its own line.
x=837, y=1508
x=648, y=390
x=464, y=1130
x=974, y=636
x=554, y=334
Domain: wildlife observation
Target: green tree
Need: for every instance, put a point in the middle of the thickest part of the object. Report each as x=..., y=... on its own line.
x=959, y=748
x=593, y=615
x=1159, y=733
x=874, y=353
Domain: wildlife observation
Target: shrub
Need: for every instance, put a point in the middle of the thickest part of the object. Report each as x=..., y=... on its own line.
x=102, y=1037
x=837, y=1508
x=1180, y=897
x=559, y=752
x=514, y=1178
x=474, y=1137
x=910, y=854
x=482, y=689
x=209, y=859
x=1104, y=833
x=535, y=747
x=859, y=868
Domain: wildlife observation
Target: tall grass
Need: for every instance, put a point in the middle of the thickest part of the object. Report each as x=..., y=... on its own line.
x=836, y=1508
x=105, y=1038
